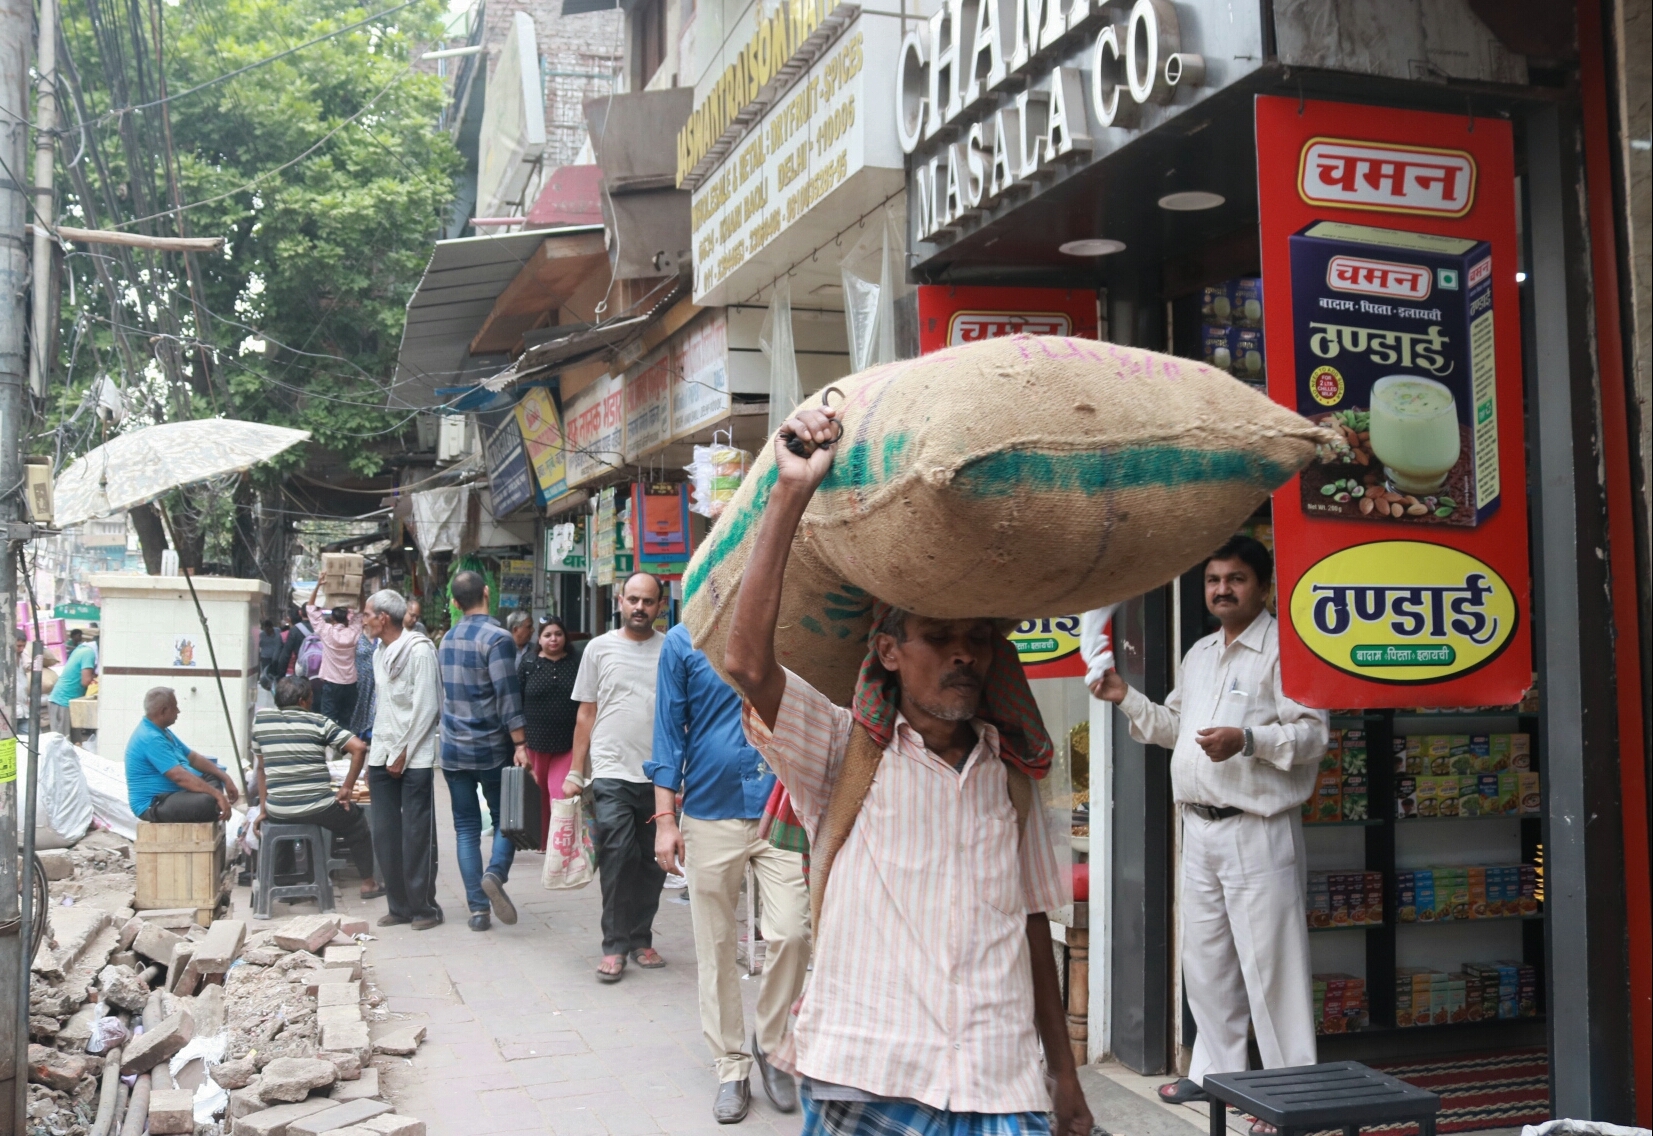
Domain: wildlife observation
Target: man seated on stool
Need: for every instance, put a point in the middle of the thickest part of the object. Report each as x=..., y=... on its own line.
x=159, y=785
x=291, y=743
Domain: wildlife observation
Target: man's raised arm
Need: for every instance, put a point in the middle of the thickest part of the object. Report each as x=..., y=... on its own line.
x=750, y=655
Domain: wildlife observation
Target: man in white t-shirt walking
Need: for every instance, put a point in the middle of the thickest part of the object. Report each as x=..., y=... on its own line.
x=613, y=736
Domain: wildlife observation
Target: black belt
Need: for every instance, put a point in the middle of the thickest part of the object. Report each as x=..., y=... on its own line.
x=1212, y=812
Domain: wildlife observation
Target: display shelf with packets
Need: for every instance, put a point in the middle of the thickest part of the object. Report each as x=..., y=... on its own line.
x=1339, y=900
x=1467, y=795
x=1342, y=787
x=1340, y=1003
x=1479, y=992
x=1419, y=755
x=1446, y=895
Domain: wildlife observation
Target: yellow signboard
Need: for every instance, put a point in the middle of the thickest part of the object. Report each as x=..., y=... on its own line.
x=1404, y=611
x=542, y=434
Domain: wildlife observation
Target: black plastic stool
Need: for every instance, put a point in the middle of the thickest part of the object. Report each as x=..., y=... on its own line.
x=1309, y=1098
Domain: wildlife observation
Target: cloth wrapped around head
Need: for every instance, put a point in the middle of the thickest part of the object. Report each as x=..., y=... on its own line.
x=1006, y=701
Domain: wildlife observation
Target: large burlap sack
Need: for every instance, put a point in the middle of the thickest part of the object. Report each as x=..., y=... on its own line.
x=1021, y=477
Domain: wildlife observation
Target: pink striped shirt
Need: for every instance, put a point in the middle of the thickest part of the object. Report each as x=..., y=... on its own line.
x=922, y=987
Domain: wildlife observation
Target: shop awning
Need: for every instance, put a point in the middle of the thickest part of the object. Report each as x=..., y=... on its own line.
x=455, y=297
x=563, y=351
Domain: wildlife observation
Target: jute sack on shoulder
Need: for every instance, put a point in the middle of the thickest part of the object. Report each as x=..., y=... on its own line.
x=1014, y=478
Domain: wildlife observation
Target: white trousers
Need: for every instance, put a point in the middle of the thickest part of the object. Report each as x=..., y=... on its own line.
x=1245, y=941
x=716, y=853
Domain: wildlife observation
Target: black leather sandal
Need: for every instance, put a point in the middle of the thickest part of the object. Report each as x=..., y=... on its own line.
x=1182, y=1091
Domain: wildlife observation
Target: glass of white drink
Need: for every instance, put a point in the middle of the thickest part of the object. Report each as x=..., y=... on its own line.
x=1414, y=431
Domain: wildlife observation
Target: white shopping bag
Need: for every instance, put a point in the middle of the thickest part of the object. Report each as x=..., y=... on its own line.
x=570, y=859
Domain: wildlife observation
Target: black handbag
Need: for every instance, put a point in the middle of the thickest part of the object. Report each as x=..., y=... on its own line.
x=519, y=809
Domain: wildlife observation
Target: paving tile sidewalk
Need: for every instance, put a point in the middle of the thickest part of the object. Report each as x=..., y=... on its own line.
x=520, y=1035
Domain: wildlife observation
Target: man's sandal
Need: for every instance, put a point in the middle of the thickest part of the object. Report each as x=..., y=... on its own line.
x=611, y=975
x=1182, y=1091
x=648, y=958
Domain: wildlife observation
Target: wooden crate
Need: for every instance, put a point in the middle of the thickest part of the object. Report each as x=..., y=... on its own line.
x=180, y=865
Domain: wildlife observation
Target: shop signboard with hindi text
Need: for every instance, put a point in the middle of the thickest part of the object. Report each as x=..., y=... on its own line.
x=700, y=378
x=596, y=430
x=951, y=316
x=648, y=404
x=1389, y=254
x=542, y=436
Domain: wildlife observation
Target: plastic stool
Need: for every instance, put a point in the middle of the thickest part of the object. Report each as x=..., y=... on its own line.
x=318, y=842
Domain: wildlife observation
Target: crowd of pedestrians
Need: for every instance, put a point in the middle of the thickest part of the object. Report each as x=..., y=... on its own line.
x=683, y=773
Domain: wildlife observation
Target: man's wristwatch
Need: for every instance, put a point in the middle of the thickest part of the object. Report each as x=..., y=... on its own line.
x=1250, y=747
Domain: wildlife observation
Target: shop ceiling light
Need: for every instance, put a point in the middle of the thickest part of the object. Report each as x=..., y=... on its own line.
x=1191, y=201
x=1092, y=246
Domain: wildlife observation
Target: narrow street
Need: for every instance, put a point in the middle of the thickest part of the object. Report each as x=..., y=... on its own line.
x=522, y=1038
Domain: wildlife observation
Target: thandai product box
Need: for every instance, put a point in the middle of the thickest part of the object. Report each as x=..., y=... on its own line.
x=1437, y=752
x=1353, y=751
x=1395, y=351
x=1406, y=797
x=1446, y=794
x=1531, y=799
x=1428, y=797
x=1353, y=792
x=1328, y=797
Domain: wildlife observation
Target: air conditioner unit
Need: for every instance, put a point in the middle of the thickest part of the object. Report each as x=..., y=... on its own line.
x=453, y=438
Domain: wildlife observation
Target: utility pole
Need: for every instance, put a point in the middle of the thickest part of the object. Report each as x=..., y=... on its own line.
x=40, y=338
x=16, y=38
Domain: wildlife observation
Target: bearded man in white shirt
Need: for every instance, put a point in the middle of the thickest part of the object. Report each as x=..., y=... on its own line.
x=1243, y=761
x=934, y=981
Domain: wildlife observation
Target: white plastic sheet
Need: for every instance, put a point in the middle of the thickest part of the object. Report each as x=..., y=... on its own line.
x=874, y=279
x=106, y=783
x=775, y=337
x=63, y=805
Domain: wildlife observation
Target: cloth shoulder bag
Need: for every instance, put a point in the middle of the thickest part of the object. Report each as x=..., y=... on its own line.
x=570, y=857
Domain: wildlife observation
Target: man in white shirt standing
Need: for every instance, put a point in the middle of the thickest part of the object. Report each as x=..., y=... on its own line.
x=1244, y=759
x=613, y=737
x=401, y=762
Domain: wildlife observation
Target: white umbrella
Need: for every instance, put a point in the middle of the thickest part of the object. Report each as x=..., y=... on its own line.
x=137, y=467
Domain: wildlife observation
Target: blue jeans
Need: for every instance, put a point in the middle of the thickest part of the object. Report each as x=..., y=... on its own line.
x=467, y=831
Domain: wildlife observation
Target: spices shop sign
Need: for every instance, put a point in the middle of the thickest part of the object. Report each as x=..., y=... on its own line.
x=999, y=98
x=802, y=172
x=1389, y=256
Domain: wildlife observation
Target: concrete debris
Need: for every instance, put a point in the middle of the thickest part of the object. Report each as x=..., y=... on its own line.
x=307, y=932
x=235, y=1074
x=353, y=927
x=220, y=946
x=274, y=1121
x=389, y=1124
x=152, y=1047
x=209, y=1010
x=156, y=943
x=172, y=1111
x=349, y=1037
x=345, y=958
x=298, y=960
x=318, y=977
x=129, y=932
x=339, y=1116
x=364, y=1087
x=338, y=994
x=401, y=1042
x=292, y=1078
x=122, y=987
x=245, y=1101
x=56, y=1070
x=57, y=862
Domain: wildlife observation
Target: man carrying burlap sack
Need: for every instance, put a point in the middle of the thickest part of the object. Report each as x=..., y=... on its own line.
x=934, y=978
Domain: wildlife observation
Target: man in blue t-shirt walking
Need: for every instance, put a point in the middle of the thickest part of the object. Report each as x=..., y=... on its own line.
x=80, y=669
x=166, y=781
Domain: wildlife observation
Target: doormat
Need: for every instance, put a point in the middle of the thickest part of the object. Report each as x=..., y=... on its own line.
x=1505, y=1089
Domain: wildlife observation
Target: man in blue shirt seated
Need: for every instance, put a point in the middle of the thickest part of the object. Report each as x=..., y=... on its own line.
x=701, y=749
x=159, y=783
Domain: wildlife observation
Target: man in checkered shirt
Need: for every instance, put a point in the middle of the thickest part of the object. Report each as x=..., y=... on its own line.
x=482, y=733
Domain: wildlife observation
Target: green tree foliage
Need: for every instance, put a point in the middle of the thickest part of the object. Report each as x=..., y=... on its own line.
x=325, y=170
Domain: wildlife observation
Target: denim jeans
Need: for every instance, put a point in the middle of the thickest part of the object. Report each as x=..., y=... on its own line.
x=467, y=830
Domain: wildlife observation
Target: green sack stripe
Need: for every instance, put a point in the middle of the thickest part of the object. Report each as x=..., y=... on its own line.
x=1103, y=471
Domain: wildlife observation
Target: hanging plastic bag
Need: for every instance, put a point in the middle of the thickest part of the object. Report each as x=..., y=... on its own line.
x=775, y=339
x=714, y=477
x=570, y=857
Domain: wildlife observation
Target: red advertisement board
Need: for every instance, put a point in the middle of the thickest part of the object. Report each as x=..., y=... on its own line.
x=948, y=316
x=1392, y=317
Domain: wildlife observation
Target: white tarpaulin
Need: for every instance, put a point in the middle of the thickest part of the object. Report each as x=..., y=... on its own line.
x=106, y=782
x=63, y=806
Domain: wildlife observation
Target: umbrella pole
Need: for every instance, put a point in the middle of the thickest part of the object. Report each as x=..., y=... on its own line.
x=212, y=655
